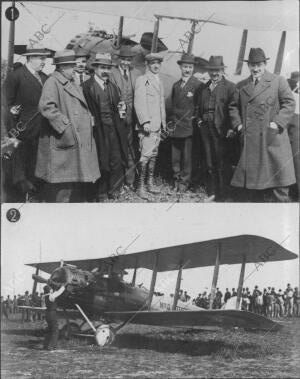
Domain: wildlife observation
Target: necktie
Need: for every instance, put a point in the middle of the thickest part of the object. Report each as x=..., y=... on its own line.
x=125, y=75
x=81, y=78
x=256, y=82
x=38, y=78
x=182, y=83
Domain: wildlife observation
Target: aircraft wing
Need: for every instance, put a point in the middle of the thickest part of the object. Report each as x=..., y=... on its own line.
x=272, y=15
x=255, y=249
x=218, y=317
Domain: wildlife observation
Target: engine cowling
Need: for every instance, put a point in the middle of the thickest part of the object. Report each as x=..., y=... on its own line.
x=72, y=277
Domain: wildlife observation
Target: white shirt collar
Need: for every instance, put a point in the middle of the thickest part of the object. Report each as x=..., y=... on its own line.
x=99, y=81
x=155, y=76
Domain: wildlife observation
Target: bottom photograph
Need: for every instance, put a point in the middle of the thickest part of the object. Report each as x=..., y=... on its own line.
x=160, y=290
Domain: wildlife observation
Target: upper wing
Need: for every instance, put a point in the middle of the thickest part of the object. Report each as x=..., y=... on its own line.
x=221, y=318
x=198, y=254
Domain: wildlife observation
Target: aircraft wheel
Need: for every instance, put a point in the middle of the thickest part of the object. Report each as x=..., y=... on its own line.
x=104, y=335
x=69, y=329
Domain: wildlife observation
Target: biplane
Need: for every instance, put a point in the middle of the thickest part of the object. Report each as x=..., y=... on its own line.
x=96, y=289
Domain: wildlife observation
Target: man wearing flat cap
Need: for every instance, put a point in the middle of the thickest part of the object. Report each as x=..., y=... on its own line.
x=23, y=88
x=266, y=105
x=213, y=113
x=67, y=156
x=124, y=77
x=105, y=104
x=182, y=117
x=150, y=110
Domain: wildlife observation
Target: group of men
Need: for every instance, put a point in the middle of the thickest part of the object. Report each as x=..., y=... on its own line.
x=269, y=302
x=79, y=133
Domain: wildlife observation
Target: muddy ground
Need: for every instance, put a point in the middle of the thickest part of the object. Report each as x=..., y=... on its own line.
x=154, y=352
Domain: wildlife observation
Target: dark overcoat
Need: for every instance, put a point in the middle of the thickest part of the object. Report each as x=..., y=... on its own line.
x=225, y=116
x=92, y=95
x=67, y=150
x=23, y=88
x=266, y=159
x=183, y=106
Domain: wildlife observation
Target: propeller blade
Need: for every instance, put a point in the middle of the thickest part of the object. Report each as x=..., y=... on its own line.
x=241, y=56
x=279, y=58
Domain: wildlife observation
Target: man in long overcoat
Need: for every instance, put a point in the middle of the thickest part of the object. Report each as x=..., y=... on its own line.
x=124, y=77
x=103, y=100
x=67, y=156
x=183, y=109
x=23, y=89
x=214, y=103
x=266, y=105
x=150, y=110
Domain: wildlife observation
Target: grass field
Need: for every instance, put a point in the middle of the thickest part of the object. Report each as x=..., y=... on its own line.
x=154, y=352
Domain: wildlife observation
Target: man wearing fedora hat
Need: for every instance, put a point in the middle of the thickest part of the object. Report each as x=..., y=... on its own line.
x=213, y=114
x=266, y=105
x=124, y=77
x=149, y=106
x=105, y=104
x=67, y=156
x=23, y=88
x=182, y=117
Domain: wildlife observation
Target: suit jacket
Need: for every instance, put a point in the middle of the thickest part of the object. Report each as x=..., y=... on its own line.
x=92, y=93
x=149, y=102
x=266, y=160
x=23, y=88
x=225, y=116
x=67, y=150
x=183, y=106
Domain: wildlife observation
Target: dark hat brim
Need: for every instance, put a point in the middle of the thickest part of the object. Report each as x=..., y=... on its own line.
x=187, y=62
x=97, y=63
x=214, y=67
x=256, y=61
x=67, y=62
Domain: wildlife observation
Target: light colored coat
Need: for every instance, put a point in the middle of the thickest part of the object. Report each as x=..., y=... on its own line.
x=266, y=160
x=67, y=149
x=149, y=102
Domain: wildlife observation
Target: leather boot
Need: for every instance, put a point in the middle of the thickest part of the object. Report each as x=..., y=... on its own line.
x=141, y=190
x=151, y=167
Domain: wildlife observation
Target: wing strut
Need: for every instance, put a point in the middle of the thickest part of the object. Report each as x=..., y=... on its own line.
x=134, y=277
x=11, y=42
x=241, y=56
x=153, y=280
x=215, y=277
x=120, y=32
x=177, y=288
x=155, y=36
x=240, y=285
x=279, y=58
x=191, y=39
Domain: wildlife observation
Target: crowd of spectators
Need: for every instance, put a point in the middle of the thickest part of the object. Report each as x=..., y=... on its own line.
x=267, y=302
x=10, y=306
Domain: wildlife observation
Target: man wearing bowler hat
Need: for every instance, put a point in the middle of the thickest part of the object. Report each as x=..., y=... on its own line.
x=124, y=77
x=23, y=88
x=214, y=117
x=150, y=110
x=105, y=104
x=183, y=108
x=266, y=105
x=67, y=156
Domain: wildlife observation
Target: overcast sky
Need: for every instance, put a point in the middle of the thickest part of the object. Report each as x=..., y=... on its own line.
x=50, y=232
x=212, y=40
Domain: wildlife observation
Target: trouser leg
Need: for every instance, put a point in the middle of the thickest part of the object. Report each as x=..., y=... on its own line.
x=176, y=158
x=130, y=171
x=187, y=161
x=116, y=178
x=280, y=194
x=208, y=152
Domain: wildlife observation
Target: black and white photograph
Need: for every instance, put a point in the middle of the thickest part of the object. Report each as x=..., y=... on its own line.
x=150, y=101
x=168, y=293
x=150, y=189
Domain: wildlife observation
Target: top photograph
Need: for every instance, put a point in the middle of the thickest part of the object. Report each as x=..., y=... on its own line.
x=150, y=101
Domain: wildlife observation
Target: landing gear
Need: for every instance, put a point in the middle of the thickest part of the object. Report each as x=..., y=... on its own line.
x=104, y=335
